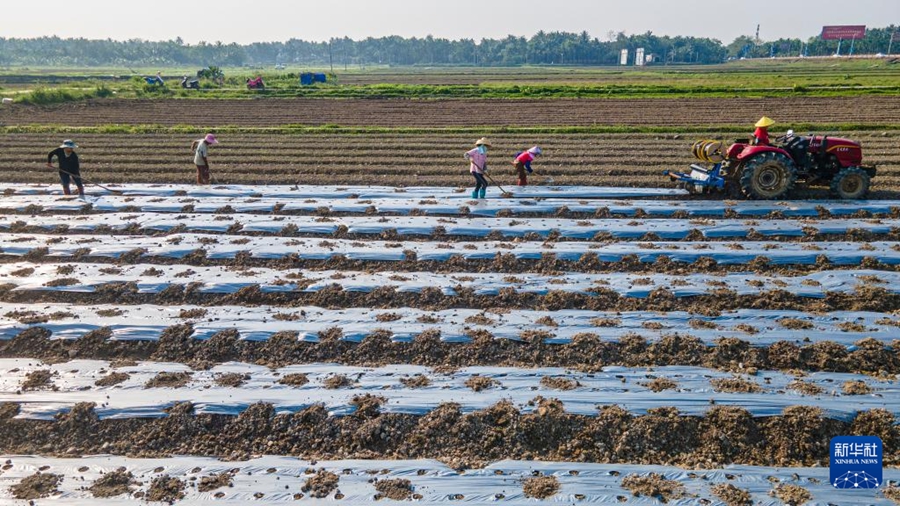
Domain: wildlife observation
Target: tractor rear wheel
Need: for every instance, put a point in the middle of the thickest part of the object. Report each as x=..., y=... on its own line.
x=768, y=176
x=851, y=183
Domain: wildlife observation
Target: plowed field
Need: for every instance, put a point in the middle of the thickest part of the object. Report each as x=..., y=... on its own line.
x=460, y=113
x=629, y=160
x=368, y=332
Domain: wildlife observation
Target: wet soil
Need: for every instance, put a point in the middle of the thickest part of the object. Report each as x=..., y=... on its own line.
x=654, y=485
x=558, y=383
x=36, y=486
x=540, y=487
x=505, y=263
x=113, y=378
x=169, y=380
x=321, y=484
x=554, y=235
x=432, y=299
x=165, y=489
x=479, y=383
x=337, y=381
x=892, y=493
x=397, y=489
x=724, y=435
x=791, y=495
x=856, y=388
x=735, y=385
x=294, y=380
x=586, y=352
x=231, y=379
x=39, y=380
x=732, y=495
x=113, y=483
x=212, y=482
x=660, y=384
x=417, y=381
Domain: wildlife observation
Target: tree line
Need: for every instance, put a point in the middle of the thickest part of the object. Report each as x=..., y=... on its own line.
x=544, y=48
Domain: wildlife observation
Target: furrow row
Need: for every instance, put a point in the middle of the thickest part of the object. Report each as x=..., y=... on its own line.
x=271, y=479
x=449, y=205
x=419, y=228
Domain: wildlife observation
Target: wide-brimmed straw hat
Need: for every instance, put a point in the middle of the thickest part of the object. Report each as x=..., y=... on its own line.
x=765, y=122
x=483, y=142
x=68, y=144
x=536, y=151
x=211, y=139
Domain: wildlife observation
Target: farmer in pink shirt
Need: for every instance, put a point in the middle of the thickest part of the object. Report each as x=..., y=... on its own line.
x=477, y=158
x=523, y=163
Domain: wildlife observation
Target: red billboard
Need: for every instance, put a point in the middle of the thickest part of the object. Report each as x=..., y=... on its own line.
x=844, y=32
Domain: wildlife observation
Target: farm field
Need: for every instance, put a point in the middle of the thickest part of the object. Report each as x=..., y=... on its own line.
x=741, y=73
x=336, y=319
x=459, y=113
x=424, y=159
x=783, y=77
x=361, y=342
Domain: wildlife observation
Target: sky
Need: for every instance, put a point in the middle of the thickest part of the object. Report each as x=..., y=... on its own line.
x=246, y=21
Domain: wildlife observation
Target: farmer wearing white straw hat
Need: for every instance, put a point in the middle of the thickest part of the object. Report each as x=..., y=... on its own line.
x=477, y=158
x=200, y=148
x=522, y=162
x=69, y=168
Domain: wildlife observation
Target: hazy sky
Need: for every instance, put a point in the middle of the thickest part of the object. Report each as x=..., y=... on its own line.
x=275, y=20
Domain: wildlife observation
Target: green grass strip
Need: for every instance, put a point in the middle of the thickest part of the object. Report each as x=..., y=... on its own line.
x=123, y=91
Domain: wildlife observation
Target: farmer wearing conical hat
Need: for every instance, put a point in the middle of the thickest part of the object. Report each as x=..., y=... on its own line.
x=761, y=135
x=69, y=168
x=200, y=148
x=477, y=158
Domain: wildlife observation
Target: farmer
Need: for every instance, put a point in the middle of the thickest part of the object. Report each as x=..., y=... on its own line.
x=477, y=158
x=200, y=148
x=69, y=169
x=761, y=135
x=523, y=164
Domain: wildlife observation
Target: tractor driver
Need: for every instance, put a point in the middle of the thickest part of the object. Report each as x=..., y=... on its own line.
x=761, y=135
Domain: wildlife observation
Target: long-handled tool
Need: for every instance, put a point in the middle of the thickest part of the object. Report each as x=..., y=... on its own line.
x=495, y=184
x=484, y=172
x=88, y=181
x=547, y=179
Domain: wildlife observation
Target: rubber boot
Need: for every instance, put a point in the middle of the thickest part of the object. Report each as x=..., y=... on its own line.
x=475, y=194
x=482, y=193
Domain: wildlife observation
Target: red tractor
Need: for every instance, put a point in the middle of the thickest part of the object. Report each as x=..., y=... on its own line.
x=770, y=171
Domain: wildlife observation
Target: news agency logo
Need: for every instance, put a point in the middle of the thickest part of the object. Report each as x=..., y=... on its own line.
x=856, y=462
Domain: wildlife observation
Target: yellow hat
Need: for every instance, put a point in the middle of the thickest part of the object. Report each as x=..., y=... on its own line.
x=483, y=142
x=765, y=122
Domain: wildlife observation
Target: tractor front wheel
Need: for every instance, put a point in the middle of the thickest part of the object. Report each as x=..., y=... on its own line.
x=768, y=176
x=851, y=183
